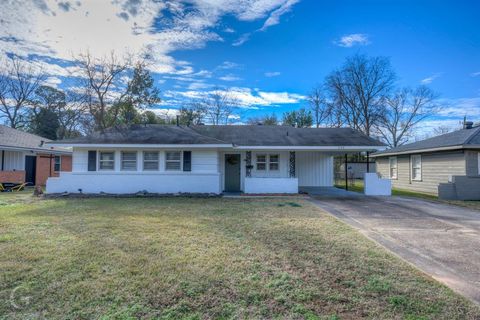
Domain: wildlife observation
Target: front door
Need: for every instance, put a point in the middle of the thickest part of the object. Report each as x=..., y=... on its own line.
x=232, y=173
x=30, y=169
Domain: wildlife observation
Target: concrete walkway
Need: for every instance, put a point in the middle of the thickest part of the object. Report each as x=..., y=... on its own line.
x=441, y=240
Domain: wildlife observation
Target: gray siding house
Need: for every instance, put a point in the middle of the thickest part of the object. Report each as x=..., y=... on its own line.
x=447, y=165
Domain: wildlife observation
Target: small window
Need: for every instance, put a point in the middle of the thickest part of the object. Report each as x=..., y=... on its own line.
x=58, y=163
x=129, y=161
x=416, y=167
x=107, y=161
x=274, y=162
x=261, y=162
x=150, y=160
x=393, y=167
x=173, y=161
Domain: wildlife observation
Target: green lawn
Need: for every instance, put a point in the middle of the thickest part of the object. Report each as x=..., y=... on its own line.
x=181, y=258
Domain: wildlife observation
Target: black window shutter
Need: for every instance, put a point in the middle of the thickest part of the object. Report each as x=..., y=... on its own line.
x=92, y=160
x=187, y=160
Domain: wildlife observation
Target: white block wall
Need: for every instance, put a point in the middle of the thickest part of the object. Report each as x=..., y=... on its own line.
x=271, y=185
x=125, y=183
x=204, y=177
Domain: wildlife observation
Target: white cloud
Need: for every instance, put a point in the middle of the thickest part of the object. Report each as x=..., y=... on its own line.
x=50, y=28
x=241, y=40
x=229, y=30
x=353, y=39
x=430, y=79
x=230, y=77
x=225, y=65
x=272, y=74
x=274, y=17
x=475, y=74
x=52, y=82
x=247, y=97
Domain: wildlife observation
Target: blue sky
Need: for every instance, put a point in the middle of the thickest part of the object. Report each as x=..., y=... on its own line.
x=269, y=53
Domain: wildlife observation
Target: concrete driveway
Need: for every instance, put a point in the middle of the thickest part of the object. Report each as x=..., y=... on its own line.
x=441, y=240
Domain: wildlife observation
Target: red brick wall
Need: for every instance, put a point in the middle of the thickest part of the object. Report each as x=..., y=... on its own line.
x=17, y=176
x=46, y=167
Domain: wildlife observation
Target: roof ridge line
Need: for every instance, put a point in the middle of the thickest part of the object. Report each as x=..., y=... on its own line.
x=472, y=136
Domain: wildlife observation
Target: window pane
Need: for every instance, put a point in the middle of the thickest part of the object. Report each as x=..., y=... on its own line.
x=150, y=165
x=57, y=163
x=273, y=166
x=172, y=165
x=261, y=158
x=150, y=155
x=416, y=173
x=261, y=166
x=132, y=156
x=106, y=165
x=106, y=156
x=129, y=165
x=173, y=155
x=274, y=158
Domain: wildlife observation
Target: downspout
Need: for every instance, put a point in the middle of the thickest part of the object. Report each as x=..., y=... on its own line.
x=3, y=159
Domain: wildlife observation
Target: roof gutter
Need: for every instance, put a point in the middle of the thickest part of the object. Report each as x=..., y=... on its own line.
x=140, y=145
x=313, y=148
x=39, y=150
x=457, y=147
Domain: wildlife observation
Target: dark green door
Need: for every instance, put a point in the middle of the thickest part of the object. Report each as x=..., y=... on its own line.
x=232, y=173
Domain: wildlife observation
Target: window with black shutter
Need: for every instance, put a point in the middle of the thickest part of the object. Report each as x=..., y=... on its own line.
x=92, y=160
x=187, y=160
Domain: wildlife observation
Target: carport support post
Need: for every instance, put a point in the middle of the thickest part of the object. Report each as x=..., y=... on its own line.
x=346, y=172
x=368, y=162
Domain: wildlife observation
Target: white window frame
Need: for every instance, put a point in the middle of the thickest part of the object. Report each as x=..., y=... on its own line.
x=122, y=161
x=413, y=167
x=172, y=161
x=151, y=161
x=100, y=160
x=276, y=162
x=478, y=162
x=59, y=163
x=391, y=168
x=265, y=162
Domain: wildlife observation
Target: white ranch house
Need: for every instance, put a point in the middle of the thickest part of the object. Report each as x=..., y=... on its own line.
x=206, y=159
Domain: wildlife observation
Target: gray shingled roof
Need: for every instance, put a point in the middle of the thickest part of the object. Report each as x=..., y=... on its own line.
x=248, y=135
x=145, y=134
x=465, y=138
x=257, y=135
x=16, y=139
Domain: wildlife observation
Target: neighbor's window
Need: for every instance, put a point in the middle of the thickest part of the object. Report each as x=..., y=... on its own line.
x=261, y=162
x=106, y=160
x=393, y=167
x=150, y=160
x=173, y=160
x=129, y=160
x=416, y=167
x=274, y=162
x=58, y=163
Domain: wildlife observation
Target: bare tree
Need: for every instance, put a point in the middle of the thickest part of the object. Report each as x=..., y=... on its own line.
x=18, y=83
x=267, y=120
x=403, y=111
x=442, y=129
x=100, y=80
x=219, y=105
x=358, y=88
x=321, y=109
x=192, y=114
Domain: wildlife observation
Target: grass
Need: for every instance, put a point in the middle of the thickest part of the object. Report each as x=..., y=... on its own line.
x=181, y=258
x=358, y=186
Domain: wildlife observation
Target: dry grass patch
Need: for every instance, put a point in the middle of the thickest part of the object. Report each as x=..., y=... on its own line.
x=178, y=258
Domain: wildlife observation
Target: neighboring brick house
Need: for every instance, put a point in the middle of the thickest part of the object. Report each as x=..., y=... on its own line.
x=24, y=157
